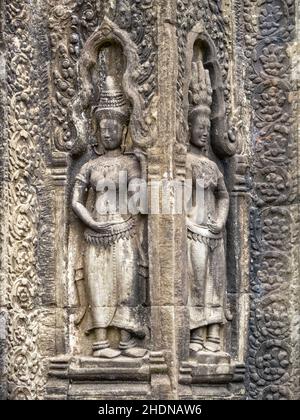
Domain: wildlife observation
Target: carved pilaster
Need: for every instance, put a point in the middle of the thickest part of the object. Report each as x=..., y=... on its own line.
x=3, y=164
x=275, y=212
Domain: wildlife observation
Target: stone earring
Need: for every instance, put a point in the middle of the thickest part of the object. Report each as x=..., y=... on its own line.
x=95, y=143
x=124, y=137
x=189, y=137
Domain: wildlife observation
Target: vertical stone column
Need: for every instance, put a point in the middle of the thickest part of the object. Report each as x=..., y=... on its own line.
x=167, y=258
x=3, y=309
x=273, y=351
x=238, y=221
x=59, y=177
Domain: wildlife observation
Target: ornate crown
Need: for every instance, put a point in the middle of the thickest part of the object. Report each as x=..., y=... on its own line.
x=112, y=102
x=200, y=92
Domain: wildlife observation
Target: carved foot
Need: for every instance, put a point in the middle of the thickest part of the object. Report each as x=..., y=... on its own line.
x=212, y=346
x=128, y=346
x=195, y=347
x=135, y=352
x=107, y=353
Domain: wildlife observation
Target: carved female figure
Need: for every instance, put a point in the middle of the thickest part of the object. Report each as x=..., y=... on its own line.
x=112, y=249
x=206, y=219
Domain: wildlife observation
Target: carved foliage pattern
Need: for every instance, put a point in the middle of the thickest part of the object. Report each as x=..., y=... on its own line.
x=3, y=147
x=24, y=368
x=140, y=23
x=273, y=232
x=71, y=23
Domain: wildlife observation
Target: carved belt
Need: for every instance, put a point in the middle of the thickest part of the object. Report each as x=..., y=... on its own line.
x=113, y=234
x=203, y=235
x=209, y=242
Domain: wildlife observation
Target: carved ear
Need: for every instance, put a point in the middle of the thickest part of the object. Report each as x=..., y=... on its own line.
x=97, y=138
x=94, y=126
x=124, y=138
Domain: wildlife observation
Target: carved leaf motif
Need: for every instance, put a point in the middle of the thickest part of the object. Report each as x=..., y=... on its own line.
x=24, y=365
x=271, y=237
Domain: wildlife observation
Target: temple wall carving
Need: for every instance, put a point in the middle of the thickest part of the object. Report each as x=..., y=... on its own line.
x=149, y=185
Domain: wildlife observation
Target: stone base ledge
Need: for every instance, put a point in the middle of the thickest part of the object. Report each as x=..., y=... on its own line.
x=85, y=378
x=78, y=377
x=211, y=375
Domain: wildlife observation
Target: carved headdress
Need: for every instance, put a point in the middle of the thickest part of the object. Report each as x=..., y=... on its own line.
x=200, y=92
x=112, y=103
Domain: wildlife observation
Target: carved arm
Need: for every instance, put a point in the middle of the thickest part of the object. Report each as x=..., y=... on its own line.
x=222, y=198
x=78, y=205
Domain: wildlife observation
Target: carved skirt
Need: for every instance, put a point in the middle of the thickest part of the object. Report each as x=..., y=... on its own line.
x=113, y=282
x=207, y=280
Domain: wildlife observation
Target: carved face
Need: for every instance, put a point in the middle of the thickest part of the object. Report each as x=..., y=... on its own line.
x=200, y=129
x=111, y=131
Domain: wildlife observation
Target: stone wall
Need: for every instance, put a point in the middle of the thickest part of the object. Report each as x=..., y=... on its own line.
x=55, y=57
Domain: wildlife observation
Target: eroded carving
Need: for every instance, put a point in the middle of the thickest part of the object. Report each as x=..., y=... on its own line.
x=25, y=368
x=112, y=254
x=46, y=120
x=205, y=222
x=207, y=18
x=273, y=222
x=71, y=24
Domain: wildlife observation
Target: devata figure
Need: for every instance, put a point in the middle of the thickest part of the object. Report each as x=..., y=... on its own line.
x=112, y=248
x=206, y=219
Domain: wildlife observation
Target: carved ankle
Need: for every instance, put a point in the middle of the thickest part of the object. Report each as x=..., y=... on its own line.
x=125, y=345
x=197, y=343
x=100, y=345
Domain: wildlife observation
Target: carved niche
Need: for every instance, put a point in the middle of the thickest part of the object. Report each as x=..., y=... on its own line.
x=107, y=251
x=209, y=143
x=114, y=110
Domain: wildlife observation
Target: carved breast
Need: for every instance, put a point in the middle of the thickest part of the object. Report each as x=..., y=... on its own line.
x=204, y=171
x=105, y=172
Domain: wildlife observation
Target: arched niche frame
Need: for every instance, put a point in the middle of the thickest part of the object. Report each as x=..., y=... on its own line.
x=222, y=144
x=110, y=33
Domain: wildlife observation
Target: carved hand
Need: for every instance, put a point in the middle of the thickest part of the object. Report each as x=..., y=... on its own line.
x=215, y=227
x=101, y=227
x=142, y=158
x=232, y=135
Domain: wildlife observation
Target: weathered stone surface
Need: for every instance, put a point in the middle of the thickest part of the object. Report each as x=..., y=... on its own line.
x=202, y=304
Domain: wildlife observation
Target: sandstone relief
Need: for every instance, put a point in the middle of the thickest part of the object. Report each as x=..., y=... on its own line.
x=111, y=266
x=149, y=239
x=206, y=222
